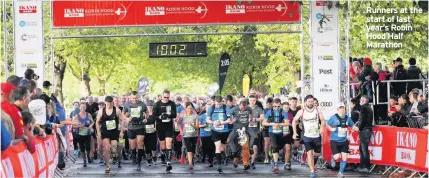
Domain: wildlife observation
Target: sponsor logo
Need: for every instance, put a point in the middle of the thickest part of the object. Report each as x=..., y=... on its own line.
x=375, y=152
x=28, y=51
x=325, y=71
x=235, y=9
x=326, y=104
x=319, y=16
x=27, y=9
x=326, y=58
x=406, y=139
x=27, y=23
x=157, y=10
x=76, y=12
x=326, y=88
x=22, y=23
x=405, y=156
x=25, y=37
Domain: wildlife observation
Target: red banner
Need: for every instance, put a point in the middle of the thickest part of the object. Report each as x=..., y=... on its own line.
x=140, y=13
x=389, y=146
x=17, y=161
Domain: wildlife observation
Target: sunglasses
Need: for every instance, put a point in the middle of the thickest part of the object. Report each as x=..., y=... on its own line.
x=276, y=106
x=166, y=97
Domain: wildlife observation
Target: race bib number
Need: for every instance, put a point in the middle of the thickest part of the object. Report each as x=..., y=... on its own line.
x=83, y=131
x=312, y=130
x=220, y=116
x=342, y=132
x=135, y=112
x=242, y=141
x=166, y=120
x=176, y=127
x=150, y=128
x=110, y=125
x=253, y=125
x=220, y=127
x=121, y=141
x=285, y=130
x=277, y=129
x=207, y=128
x=168, y=109
x=189, y=128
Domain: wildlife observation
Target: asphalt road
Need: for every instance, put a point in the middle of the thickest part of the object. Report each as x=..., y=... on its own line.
x=200, y=170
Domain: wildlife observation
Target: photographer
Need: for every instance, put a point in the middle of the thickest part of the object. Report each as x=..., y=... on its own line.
x=28, y=76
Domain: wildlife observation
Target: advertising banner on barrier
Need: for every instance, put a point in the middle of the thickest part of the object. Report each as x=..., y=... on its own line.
x=390, y=146
x=17, y=161
x=138, y=13
x=28, y=21
x=325, y=57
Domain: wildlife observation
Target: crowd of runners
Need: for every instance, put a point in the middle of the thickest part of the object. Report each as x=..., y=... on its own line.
x=226, y=129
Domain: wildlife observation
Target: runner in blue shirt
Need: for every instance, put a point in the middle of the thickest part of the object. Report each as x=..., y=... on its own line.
x=217, y=117
x=338, y=125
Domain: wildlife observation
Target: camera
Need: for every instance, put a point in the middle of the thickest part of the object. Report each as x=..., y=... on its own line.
x=35, y=77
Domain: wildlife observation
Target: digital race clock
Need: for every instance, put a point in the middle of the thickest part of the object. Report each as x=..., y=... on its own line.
x=178, y=49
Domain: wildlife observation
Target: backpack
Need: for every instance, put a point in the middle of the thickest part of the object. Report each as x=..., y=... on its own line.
x=214, y=107
x=343, y=121
x=271, y=119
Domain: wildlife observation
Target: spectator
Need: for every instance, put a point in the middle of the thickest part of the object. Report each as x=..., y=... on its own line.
x=10, y=109
x=399, y=73
x=32, y=86
x=91, y=106
x=355, y=110
x=6, y=138
x=7, y=121
x=398, y=117
x=28, y=121
x=47, y=87
x=355, y=69
x=365, y=132
x=28, y=75
x=414, y=73
x=366, y=77
x=21, y=96
x=14, y=80
x=393, y=102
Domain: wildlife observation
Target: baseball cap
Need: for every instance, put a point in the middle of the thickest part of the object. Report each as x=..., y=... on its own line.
x=6, y=88
x=38, y=109
x=108, y=99
x=46, y=84
x=341, y=105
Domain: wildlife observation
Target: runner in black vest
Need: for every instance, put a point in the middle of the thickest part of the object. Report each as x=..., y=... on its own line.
x=107, y=128
x=165, y=112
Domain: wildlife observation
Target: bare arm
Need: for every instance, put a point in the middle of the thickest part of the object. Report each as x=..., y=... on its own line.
x=297, y=116
x=97, y=122
x=91, y=120
x=197, y=124
x=75, y=120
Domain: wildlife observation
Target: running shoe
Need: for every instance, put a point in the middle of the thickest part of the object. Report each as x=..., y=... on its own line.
x=333, y=162
x=139, y=167
x=340, y=175
x=219, y=169
x=247, y=167
x=119, y=164
x=266, y=161
x=169, y=167
x=190, y=167
x=313, y=175
x=182, y=160
x=288, y=166
x=101, y=160
x=253, y=165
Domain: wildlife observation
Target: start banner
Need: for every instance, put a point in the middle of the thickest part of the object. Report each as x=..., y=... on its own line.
x=146, y=13
x=17, y=161
x=389, y=146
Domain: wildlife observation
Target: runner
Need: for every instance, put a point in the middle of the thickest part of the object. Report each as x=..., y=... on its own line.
x=189, y=124
x=258, y=114
x=206, y=137
x=276, y=119
x=217, y=116
x=269, y=106
x=136, y=127
x=288, y=137
x=241, y=117
x=99, y=140
x=310, y=117
x=165, y=112
x=293, y=109
x=151, y=139
x=107, y=129
x=84, y=130
x=177, y=137
x=338, y=124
